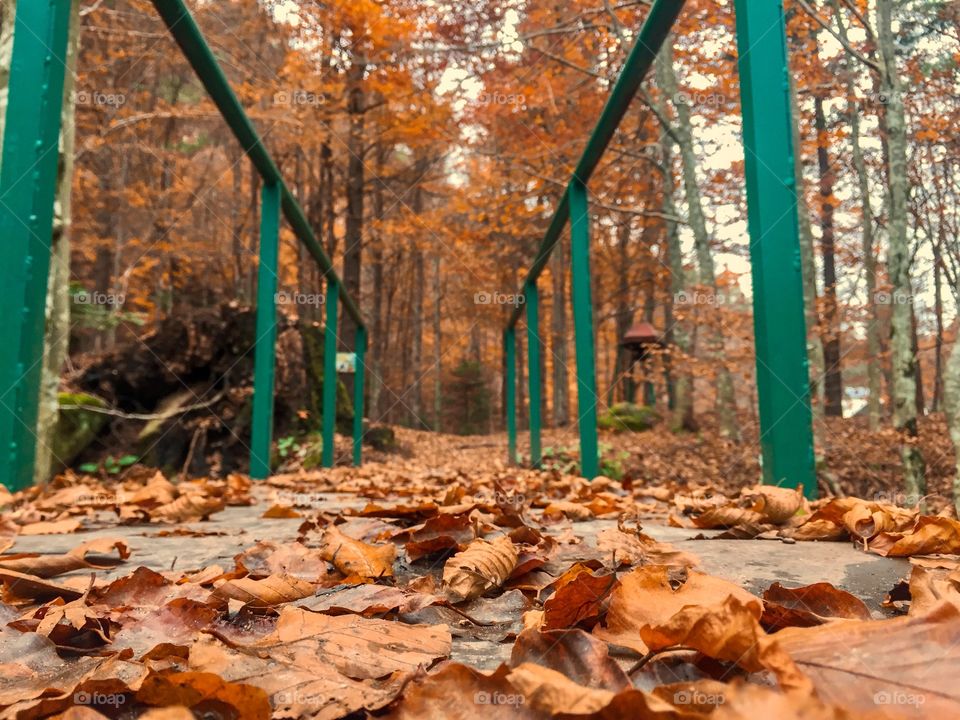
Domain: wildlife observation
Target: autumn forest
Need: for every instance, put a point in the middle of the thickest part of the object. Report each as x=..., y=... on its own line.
x=465, y=568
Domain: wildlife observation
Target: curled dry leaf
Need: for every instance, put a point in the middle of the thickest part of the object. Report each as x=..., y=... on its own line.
x=193, y=689
x=732, y=516
x=931, y=586
x=19, y=587
x=728, y=631
x=579, y=598
x=281, y=512
x=481, y=567
x=867, y=520
x=356, y=558
x=52, y=527
x=272, y=590
x=929, y=536
x=560, y=509
x=439, y=533
x=809, y=605
x=774, y=504
x=552, y=692
x=188, y=507
x=651, y=595
x=8, y=533
x=47, y=566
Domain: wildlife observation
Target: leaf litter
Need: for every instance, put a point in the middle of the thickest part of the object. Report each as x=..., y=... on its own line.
x=372, y=606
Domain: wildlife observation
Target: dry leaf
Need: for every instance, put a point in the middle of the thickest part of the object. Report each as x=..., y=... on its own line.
x=651, y=595
x=273, y=590
x=359, y=647
x=353, y=557
x=481, y=567
x=809, y=605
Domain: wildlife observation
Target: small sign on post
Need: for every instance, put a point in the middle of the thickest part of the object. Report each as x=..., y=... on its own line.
x=346, y=362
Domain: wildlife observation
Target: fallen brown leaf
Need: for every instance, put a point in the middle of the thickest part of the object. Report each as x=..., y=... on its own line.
x=353, y=557
x=481, y=567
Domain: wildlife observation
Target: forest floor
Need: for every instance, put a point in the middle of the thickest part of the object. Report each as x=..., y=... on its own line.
x=439, y=583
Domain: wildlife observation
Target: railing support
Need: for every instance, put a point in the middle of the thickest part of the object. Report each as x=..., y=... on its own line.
x=531, y=300
x=583, y=328
x=783, y=380
x=28, y=181
x=330, y=381
x=510, y=391
x=265, y=340
x=358, y=399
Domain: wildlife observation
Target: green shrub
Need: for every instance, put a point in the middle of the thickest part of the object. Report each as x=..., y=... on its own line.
x=628, y=417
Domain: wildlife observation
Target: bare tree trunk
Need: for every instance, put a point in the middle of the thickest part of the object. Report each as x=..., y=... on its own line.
x=624, y=315
x=833, y=381
x=437, y=343
x=899, y=259
x=938, y=313
x=867, y=246
x=353, y=236
x=726, y=400
x=808, y=265
x=677, y=331
x=8, y=14
x=951, y=406
x=56, y=339
x=375, y=376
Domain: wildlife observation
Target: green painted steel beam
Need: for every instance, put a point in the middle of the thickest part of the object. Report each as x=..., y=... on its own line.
x=587, y=397
x=656, y=27
x=358, y=397
x=187, y=34
x=783, y=380
x=510, y=387
x=330, y=380
x=28, y=181
x=531, y=301
x=266, y=333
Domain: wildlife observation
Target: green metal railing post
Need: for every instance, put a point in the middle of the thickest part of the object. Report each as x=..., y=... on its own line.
x=330, y=380
x=28, y=180
x=531, y=300
x=510, y=383
x=358, y=399
x=783, y=380
x=265, y=342
x=583, y=328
